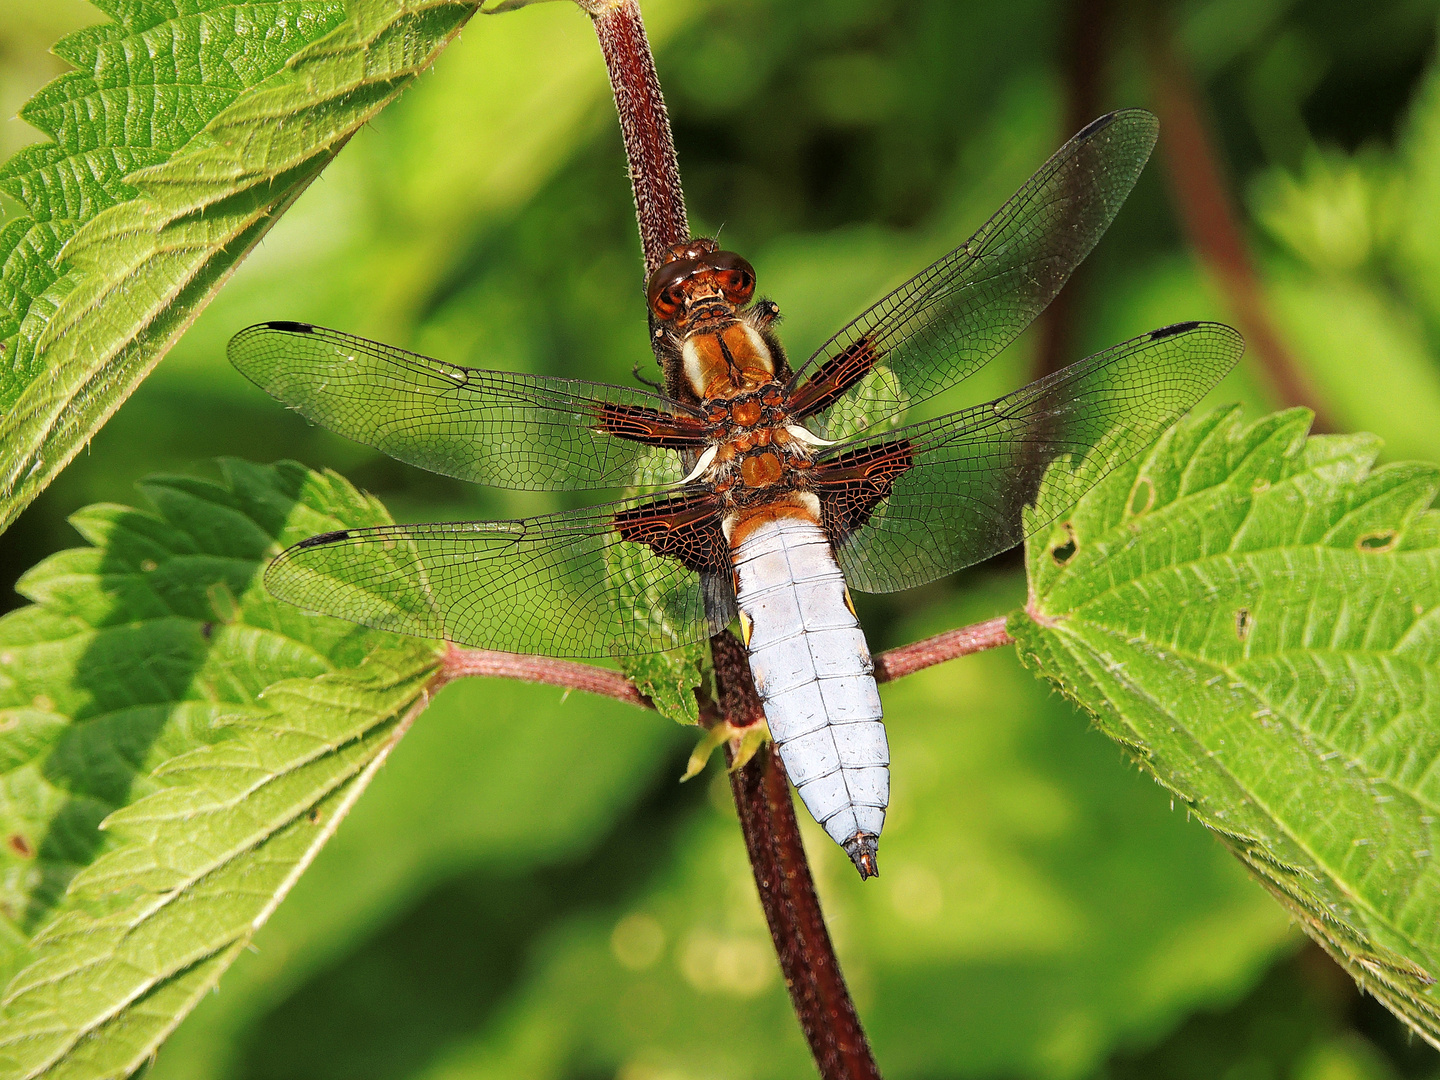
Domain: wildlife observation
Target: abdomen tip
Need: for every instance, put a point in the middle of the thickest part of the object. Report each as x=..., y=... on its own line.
x=862, y=849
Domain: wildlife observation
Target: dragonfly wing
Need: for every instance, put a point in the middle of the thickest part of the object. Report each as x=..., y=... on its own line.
x=933, y=498
x=952, y=318
x=615, y=580
x=506, y=430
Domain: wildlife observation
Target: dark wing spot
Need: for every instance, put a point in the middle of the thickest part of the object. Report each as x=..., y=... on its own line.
x=686, y=528
x=834, y=377
x=324, y=538
x=1172, y=330
x=291, y=327
x=1098, y=124
x=652, y=427
x=851, y=485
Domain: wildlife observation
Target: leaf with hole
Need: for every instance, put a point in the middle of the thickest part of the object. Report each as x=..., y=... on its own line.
x=1256, y=616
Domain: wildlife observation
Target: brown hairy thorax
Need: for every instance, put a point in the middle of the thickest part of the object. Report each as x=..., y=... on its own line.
x=713, y=343
x=724, y=359
x=721, y=353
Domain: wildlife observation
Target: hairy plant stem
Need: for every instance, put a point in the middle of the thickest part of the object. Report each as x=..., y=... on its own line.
x=735, y=694
x=645, y=125
x=461, y=663
x=897, y=663
x=787, y=890
x=762, y=792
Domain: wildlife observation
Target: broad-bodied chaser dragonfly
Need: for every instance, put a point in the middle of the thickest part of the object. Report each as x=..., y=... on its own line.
x=777, y=487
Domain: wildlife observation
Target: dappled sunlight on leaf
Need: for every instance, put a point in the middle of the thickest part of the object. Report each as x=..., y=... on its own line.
x=128, y=242
x=218, y=733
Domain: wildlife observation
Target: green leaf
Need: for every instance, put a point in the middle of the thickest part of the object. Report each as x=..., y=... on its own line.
x=1256, y=616
x=220, y=734
x=669, y=679
x=1418, y=235
x=1343, y=219
x=186, y=132
x=1337, y=214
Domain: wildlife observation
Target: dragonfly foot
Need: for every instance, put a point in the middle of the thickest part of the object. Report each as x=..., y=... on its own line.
x=861, y=848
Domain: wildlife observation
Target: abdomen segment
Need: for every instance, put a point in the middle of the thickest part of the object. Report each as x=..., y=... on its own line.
x=815, y=677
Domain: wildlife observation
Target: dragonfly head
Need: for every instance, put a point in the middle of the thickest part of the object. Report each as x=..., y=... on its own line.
x=698, y=282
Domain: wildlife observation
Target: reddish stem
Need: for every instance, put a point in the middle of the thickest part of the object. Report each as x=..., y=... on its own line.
x=738, y=703
x=459, y=663
x=907, y=659
x=762, y=793
x=1200, y=189
x=645, y=126
x=807, y=957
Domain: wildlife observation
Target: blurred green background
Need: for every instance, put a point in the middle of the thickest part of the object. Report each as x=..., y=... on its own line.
x=527, y=891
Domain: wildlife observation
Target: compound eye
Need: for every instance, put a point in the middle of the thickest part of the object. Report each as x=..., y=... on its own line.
x=664, y=292
x=669, y=302
x=735, y=276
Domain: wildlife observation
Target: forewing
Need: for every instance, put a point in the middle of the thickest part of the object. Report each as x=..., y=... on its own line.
x=949, y=320
x=930, y=499
x=506, y=430
x=615, y=580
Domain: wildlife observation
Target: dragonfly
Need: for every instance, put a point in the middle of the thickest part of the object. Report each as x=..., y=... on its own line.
x=759, y=493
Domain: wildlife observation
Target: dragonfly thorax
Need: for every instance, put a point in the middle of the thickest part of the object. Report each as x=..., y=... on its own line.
x=758, y=451
x=725, y=360
x=734, y=416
